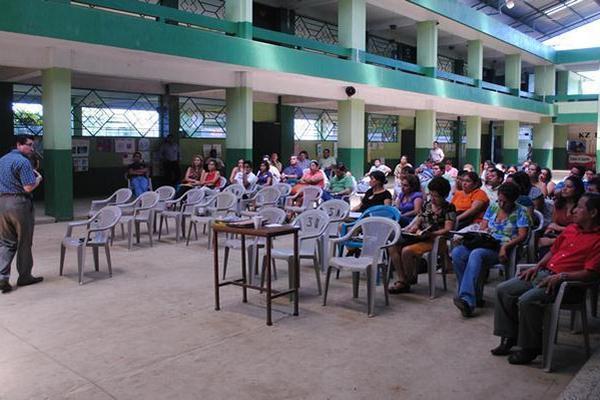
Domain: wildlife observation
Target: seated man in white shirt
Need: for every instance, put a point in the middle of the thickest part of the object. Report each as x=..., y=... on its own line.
x=327, y=162
x=436, y=154
x=246, y=178
x=494, y=178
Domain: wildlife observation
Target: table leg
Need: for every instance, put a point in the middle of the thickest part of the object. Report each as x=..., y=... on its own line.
x=268, y=276
x=296, y=273
x=216, y=267
x=244, y=289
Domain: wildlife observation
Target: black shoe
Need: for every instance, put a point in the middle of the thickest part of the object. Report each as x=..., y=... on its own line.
x=30, y=280
x=5, y=286
x=464, y=307
x=504, y=347
x=404, y=288
x=523, y=356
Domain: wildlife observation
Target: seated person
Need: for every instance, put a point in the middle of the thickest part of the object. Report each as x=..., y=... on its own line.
x=436, y=218
x=192, y=176
x=275, y=173
x=531, y=196
x=546, y=180
x=409, y=202
x=340, y=184
x=519, y=311
x=364, y=185
x=303, y=160
x=576, y=171
x=470, y=202
x=425, y=172
x=138, y=173
x=264, y=176
x=377, y=194
x=327, y=162
x=449, y=170
x=292, y=173
x=234, y=172
x=274, y=161
x=246, y=177
x=313, y=176
x=508, y=223
x=594, y=185
x=495, y=178
x=212, y=155
x=398, y=169
x=210, y=178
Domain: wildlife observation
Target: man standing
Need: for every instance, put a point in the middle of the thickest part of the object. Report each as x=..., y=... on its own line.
x=170, y=156
x=18, y=180
x=436, y=154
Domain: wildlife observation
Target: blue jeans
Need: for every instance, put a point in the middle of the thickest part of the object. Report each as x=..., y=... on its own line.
x=328, y=196
x=467, y=266
x=139, y=185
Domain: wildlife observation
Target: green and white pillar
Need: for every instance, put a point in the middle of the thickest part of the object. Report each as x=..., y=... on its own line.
x=559, y=153
x=58, y=162
x=510, y=151
x=351, y=135
x=474, y=141
x=240, y=11
x=427, y=46
x=239, y=125
x=475, y=59
x=512, y=72
x=543, y=142
x=425, y=134
x=545, y=80
x=352, y=23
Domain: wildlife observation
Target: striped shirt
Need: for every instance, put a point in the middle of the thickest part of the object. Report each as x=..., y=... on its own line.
x=15, y=172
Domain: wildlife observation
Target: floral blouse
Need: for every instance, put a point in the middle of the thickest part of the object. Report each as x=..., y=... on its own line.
x=432, y=221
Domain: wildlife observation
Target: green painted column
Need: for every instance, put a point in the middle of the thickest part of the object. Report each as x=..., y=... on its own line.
x=240, y=11
x=545, y=80
x=286, y=118
x=512, y=72
x=239, y=125
x=510, y=151
x=560, y=156
x=473, y=140
x=352, y=25
x=568, y=82
x=427, y=46
x=7, y=128
x=351, y=135
x=543, y=142
x=475, y=59
x=58, y=163
x=425, y=134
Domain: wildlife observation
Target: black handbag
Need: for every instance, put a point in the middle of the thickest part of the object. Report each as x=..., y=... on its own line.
x=480, y=240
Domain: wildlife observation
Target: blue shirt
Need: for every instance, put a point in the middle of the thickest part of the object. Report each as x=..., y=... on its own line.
x=293, y=170
x=16, y=171
x=506, y=230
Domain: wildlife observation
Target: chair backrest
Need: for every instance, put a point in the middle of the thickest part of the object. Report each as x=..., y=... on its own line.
x=381, y=211
x=226, y=201
x=165, y=193
x=104, y=221
x=222, y=183
x=147, y=200
x=284, y=188
x=122, y=195
x=237, y=189
x=311, y=222
x=539, y=217
x=337, y=210
x=311, y=195
x=267, y=195
x=272, y=215
x=376, y=232
x=195, y=195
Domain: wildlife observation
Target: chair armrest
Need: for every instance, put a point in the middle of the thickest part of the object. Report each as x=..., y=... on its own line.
x=342, y=239
x=72, y=225
x=127, y=205
x=313, y=236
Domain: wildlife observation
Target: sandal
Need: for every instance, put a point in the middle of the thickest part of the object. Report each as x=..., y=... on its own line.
x=399, y=287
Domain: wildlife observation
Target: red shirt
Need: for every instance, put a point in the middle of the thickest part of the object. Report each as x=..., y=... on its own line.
x=575, y=250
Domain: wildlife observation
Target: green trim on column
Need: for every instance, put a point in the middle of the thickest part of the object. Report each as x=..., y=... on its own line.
x=239, y=123
x=510, y=156
x=543, y=157
x=421, y=154
x=244, y=30
x=353, y=159
x=559, y=158
x=577, y=118
x=473, y=157
x=58, y=184
x=232, y=155
x=7, y=128
x=286, y=118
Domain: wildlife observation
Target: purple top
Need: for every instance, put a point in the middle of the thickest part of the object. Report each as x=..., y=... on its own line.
x=405, y=204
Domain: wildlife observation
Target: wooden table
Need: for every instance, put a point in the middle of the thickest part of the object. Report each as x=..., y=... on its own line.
x=268, y=233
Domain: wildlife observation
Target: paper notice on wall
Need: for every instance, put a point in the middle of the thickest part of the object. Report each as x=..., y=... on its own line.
x=144, y=145
x=81, y=164
x=80, y=147
x=104, y=145
x=124, y=145
x=128, y=159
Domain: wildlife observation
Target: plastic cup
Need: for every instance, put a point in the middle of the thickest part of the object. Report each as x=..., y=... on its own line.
x=257, y=219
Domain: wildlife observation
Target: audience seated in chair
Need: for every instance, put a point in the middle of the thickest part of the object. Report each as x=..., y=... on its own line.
x=264, y=176
x=138, y=174
x=311, y=177
x=293, y=172
x=574, y=256
x=236, y=170
x=245, y=176
x=340, y=185
x=192, y=176
x=470, y=201
x=410, y=200
x=211, y=177
x=377, y=195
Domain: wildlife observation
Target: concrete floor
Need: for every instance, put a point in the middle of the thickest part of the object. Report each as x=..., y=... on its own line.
x=151, y=332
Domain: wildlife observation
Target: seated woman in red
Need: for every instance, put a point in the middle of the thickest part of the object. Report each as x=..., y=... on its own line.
x=311, y=177
x=211, y=177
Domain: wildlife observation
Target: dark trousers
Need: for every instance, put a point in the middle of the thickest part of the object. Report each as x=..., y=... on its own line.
x=16, y=235
x=519, y=311
x=172, y=172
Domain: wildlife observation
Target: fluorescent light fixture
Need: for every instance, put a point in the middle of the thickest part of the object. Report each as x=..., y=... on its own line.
x=560, y=7
x=510, y=4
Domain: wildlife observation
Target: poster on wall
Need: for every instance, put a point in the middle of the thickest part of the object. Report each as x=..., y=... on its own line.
x=581, y=146
x=144, y=144
x=124, y=145
x=206, y=148
x=80, y=147
x=104, y=145
x=81, y=164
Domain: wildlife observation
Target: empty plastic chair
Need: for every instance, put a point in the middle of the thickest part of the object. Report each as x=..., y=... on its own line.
x=311, y=195
x=165, y=193
x=221, y=205
x=180, y=209
x=121, y=196
x=265, y=197
x=98, y=233
x=143, y=212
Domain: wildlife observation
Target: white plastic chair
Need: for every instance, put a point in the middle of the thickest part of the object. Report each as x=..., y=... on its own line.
x=222, y=205
x=265, y=197
x=238, y=190
x=271, y=215
x=284, y=190
x=378, y=233
x=143, y=212
x=338, y=211
x=121, y=196
x=98, y=233
x=311, y=195
x=165, y=193
x=532, y=240
x=221, y=184
x=313, y=226
x=180, y=209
